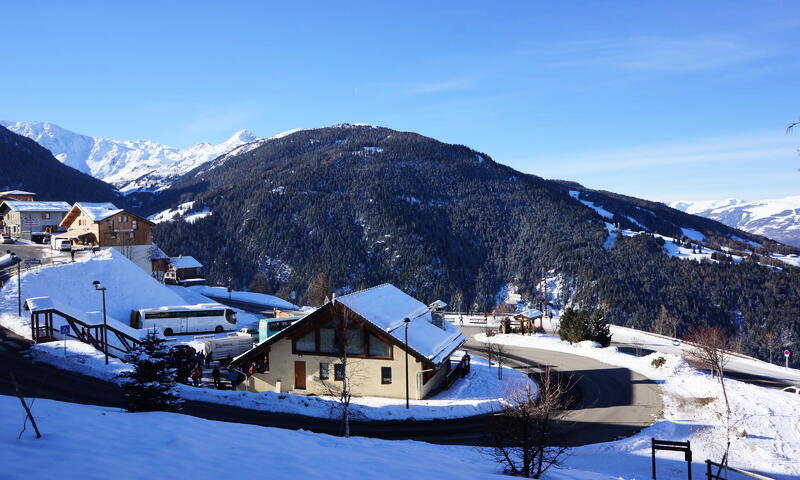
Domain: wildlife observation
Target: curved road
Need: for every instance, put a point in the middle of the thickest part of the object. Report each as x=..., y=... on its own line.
x=611, y=402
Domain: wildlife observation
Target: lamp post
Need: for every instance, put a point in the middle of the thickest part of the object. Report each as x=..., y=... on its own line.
x=102, y=290
x=406, y=321
x=19, y=281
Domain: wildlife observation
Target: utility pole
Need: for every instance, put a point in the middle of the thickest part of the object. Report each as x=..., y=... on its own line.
x=406, y=321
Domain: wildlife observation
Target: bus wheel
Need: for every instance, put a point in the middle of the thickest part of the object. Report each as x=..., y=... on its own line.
x=218, y=329
x=167, y=332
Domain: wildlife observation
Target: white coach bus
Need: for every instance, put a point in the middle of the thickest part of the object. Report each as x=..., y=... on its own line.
x=204, y=317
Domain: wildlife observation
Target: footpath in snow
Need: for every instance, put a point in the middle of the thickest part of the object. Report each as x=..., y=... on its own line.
x=767, y=422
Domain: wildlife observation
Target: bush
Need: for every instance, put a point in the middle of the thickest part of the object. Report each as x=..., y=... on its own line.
x=658, y=362
x=150, y=386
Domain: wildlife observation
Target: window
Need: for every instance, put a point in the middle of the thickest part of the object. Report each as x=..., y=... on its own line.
x=338, y=372
x=307, y=343
x=133, y=224
x=45, y=216
x=123, y=219
x=113, y=235
x=324, y=371
x=130, y=234
x=355, y=342
x=327, y=340
x=386, y=375
x=377, y=348
x=111, y=224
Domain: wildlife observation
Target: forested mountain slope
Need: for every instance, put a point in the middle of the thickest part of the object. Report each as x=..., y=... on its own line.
x=367, y=205
x=25, y=165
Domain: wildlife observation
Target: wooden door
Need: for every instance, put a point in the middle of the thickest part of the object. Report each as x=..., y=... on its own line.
x=299, y=375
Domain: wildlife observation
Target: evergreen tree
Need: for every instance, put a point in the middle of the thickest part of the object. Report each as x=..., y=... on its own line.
x=574, y=326
x=599, y=329
x=150, y=386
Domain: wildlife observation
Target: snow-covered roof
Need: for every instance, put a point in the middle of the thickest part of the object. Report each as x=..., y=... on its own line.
x=184, y=262
x=386, y=306
x=23, y=206
x=531, y=313
x=98, y=211
x=438, y=304
x=16, y=192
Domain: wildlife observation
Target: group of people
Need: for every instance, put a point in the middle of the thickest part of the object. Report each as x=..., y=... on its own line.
x=189, y=368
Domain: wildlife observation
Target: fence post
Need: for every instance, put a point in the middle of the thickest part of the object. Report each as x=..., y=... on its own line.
x=709, y=475
x=653, y=454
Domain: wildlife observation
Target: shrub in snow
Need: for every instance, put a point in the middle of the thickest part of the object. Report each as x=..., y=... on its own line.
x=150, y=386
x=579, y=326
x=658, y=362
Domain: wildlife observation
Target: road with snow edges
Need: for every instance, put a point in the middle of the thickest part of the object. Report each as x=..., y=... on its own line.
x=610, y=402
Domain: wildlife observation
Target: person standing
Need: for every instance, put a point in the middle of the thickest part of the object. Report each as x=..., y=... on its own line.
x=196, y=376
x=209, y=359
x=216, y=374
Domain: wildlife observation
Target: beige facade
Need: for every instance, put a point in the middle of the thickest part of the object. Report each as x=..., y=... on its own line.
x=366, y=375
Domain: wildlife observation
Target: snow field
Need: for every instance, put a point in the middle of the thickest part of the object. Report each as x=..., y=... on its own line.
x=766, y=421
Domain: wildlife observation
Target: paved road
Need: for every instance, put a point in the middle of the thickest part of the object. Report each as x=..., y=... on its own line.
x=610, y=401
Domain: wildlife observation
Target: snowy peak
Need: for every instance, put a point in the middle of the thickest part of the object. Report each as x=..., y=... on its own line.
x=139, y=165
x=776, y=218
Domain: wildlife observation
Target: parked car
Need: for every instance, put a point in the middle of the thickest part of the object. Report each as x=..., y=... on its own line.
x=7, y=238
x=62, y=244
x=251, y=330
x=792, y=389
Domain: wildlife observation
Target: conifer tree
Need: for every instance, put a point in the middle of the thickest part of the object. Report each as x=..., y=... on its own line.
x=599, y=329
x=150, y=386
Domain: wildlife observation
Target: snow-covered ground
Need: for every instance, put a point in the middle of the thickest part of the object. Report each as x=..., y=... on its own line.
x=766, y=420
x=478, y=393
x=88, y=442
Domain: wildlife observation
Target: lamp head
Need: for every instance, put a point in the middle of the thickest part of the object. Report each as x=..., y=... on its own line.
x=96, y=284
x=406, y=321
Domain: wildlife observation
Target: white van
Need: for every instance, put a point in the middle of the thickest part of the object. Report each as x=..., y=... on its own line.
x=61, y=243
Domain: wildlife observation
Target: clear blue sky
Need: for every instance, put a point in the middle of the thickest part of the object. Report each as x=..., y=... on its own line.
x=663, y=100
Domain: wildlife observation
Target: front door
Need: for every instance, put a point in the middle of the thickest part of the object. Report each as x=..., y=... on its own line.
x=299, y=375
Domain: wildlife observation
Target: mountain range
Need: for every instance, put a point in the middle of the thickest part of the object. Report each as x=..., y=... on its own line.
x=777, y=218
x=130, y=166
x=350, y=206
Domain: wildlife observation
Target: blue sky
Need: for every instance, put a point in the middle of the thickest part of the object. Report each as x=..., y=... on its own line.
x=668, y=100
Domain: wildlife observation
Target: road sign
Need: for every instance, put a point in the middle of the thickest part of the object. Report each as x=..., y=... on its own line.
x=64, y=329
x=786, y=353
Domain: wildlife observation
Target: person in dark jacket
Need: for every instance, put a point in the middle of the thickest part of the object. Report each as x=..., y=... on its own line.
x=209, y=359
x=216, y=375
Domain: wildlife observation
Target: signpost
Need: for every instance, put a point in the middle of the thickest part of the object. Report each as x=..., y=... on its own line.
x=786, y=355
x=65, y=331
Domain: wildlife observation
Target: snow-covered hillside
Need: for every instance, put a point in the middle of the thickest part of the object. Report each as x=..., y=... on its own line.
x=128, y=165
x=776, y=218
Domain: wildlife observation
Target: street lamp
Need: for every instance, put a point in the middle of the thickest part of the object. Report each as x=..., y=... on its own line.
x=102, y=290
x=406, y=321
x=19, y=281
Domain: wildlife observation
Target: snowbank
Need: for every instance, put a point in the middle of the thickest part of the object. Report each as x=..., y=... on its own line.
x=89, y=442
x=128, y=286
x=766, y=419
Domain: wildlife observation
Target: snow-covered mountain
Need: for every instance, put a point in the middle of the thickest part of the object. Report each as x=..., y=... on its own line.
x=776, y=218
x=128, y=165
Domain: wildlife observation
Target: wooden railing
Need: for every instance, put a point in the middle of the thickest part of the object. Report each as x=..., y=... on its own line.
x=99, y=336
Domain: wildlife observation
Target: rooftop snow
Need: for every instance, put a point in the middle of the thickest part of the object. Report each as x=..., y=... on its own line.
x=385, y=306
x=185, y=262
x=99, y=211
x=22, y=206
x=17, y=192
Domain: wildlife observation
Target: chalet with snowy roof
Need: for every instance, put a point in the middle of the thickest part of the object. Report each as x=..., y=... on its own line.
x=22, y=218
x=20, y=195
x=370, y=326
x=105, y=225
x=183, y=268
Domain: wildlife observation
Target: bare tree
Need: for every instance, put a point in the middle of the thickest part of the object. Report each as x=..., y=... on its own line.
x=520, y=436
x=318, y=290
x=347, y=372
x=457, y=299
x=768, y=340
x=710, y=350
x=498, y=351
